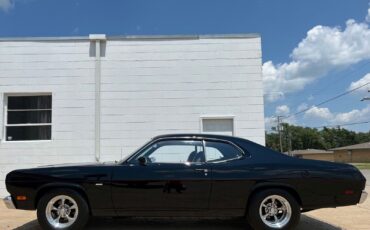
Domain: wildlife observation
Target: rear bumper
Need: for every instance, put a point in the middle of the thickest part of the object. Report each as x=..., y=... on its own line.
x=363, y=197
x=8, y=201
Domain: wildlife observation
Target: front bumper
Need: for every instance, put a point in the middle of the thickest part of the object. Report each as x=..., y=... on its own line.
x=363, y=197
x=8, y=201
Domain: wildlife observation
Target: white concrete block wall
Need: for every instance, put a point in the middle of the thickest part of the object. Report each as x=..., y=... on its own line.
x=157, y=87
x=148, y=87
x=65, y=70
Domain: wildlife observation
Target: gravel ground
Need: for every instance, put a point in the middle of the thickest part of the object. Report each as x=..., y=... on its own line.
x=353, y=218
x=367, y=175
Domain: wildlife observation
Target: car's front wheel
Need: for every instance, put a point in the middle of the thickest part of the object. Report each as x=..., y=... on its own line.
x=62, y=209
x=273, y=209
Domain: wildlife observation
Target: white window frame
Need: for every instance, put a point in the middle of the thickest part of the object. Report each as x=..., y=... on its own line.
x=217, y=117
x=5, y=116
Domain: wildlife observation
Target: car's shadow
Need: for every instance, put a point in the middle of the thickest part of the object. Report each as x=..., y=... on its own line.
x=306, y=223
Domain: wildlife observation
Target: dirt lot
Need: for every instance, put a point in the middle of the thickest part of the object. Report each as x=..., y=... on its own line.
x=353, y=217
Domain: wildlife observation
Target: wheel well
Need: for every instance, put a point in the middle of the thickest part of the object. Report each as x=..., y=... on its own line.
x=290, y=190
x=47, y=189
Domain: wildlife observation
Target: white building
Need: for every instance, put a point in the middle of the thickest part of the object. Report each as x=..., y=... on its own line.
x=97, y=98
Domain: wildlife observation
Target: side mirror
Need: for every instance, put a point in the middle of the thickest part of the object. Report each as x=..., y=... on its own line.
x=143, y=161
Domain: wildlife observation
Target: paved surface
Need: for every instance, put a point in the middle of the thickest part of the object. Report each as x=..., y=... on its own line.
x=351, y=218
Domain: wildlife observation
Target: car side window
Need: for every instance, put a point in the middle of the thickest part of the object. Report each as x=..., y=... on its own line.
x=174, y=151
x=220, y=151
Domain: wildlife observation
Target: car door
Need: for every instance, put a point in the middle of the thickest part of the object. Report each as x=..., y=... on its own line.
x=231, y=178
x=174, y=177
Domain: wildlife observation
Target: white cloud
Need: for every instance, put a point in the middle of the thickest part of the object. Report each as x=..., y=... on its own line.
x=270, y=122
x=322, y=50
x=368, y=15
x=282, y=110
x=355, y=115
x=362, y=81
x=322, y=116
x=319, y=113
x=6, y=4
x=325, y=116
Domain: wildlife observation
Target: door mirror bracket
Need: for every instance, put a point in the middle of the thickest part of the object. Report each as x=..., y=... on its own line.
x=143, y=161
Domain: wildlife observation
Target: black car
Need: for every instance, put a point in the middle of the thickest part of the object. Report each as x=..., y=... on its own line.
x=187, y=175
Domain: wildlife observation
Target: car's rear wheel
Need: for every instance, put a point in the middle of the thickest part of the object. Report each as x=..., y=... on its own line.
x=62, y=209
x=273, y=209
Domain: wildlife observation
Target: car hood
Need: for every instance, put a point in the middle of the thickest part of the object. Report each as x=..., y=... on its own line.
x=58, y=172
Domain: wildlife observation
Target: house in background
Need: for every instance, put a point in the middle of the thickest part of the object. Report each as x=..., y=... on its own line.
x=314, y=154
x=359, y=153
x=97, y=98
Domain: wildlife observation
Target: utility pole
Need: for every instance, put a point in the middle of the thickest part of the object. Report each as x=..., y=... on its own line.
x=279, y=126
x=366, y=98
x=290, y=142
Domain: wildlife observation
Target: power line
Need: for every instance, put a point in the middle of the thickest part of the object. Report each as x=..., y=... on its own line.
x=329, y=100
x=347, y=124
x=338, y=79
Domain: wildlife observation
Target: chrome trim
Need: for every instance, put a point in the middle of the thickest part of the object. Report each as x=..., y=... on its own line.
x=8, y=201
x=202, y=138
x=363, y=197
x=243, y=153
x=189, y=137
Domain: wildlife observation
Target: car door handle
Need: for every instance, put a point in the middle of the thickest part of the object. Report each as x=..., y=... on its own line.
x=205, y=171
x=202, y=170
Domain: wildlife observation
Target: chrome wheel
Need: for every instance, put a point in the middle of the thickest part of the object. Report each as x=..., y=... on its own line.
x=61, y=211
x=275, y=211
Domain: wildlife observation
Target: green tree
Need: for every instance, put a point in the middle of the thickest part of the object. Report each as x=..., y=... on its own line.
x=297, y=137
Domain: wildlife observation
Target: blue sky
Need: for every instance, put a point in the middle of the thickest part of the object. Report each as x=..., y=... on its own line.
x=311, y=51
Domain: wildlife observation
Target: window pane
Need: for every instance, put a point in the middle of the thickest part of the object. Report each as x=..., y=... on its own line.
x=218, y=126
x=29, y=117
x=25, y=133
x=175, y=152
x=213, y=154
x=218, y=151
x=29, y=102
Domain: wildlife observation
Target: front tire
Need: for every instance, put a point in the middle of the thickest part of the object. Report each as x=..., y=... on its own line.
x=273, y=209
x=62, y=209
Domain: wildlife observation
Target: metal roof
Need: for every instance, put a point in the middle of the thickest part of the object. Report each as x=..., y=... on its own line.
x=365, y=145
x=134, y=37
x=311, y=151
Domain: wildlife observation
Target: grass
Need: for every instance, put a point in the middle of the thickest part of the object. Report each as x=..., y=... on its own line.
x=362, y=165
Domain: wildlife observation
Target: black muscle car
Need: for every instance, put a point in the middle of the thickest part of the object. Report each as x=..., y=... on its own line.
x=187, y=175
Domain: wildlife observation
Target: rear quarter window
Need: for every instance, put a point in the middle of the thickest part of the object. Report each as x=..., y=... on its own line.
x=221, y=151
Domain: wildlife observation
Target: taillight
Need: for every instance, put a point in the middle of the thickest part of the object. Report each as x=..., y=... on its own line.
x=21, y=198
x=349, y=192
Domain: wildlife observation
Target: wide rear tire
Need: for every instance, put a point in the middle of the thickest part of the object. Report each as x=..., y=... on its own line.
x=273, y=209
x=63, y=209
